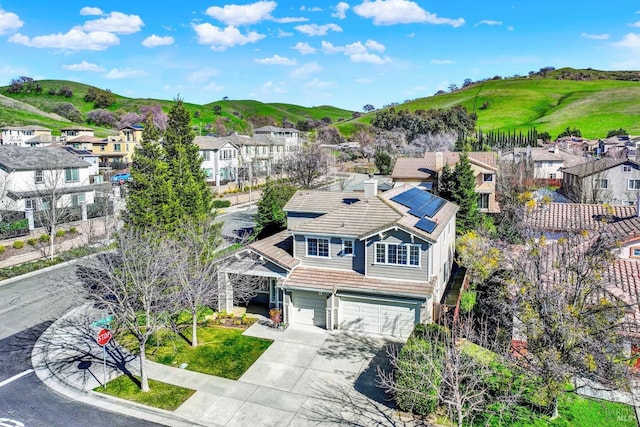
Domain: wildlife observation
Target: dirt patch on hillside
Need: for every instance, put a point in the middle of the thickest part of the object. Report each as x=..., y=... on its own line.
x=19, y=105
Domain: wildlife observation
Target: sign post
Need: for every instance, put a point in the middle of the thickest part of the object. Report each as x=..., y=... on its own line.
x=104, y=336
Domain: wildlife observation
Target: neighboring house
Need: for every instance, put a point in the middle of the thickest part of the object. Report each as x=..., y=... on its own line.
x=89, y=157
x=19, y=135
x=424, y=172
x=368, y=263
x=72, y=132
x=219, y=158
x=86, y=142
x=30, y=174
x=547, y=161
x=612, y=181
x=290, y=137
x=261, y=154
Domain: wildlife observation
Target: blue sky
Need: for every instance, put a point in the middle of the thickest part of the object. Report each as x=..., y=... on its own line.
x=344, y=54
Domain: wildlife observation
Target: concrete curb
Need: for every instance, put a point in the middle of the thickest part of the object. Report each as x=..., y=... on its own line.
x=89, y=397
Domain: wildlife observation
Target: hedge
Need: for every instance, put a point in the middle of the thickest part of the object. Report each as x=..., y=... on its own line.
x=219, y=204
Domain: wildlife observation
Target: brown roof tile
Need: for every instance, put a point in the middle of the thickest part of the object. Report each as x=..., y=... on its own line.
x=277, y=248
x=319, y=201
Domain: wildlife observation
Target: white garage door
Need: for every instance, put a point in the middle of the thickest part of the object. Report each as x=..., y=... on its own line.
x=377, y=317
x=309, y=308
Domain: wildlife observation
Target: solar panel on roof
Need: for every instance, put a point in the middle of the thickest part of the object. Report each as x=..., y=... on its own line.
x=425, y=224
x=428, y=209
x=405, y=197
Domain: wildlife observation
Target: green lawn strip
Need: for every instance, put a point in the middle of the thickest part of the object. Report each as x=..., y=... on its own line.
x=223, y=352
x=161, y=395
x=580, y=411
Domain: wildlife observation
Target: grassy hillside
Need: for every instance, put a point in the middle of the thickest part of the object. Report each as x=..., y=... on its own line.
x=549, y=104
x=234, y=114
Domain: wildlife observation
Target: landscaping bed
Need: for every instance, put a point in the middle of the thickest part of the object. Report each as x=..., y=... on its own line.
x=161, y=395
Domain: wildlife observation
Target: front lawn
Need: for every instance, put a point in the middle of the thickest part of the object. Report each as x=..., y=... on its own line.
x=161, y=395
x=223, y=352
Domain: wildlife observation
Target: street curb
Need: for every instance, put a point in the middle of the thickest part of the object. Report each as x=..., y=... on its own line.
x=100, y=400
x=41, y=271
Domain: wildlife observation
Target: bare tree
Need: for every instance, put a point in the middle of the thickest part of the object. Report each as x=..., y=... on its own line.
x=306, y=165
x=134, y=284
x=441, y=141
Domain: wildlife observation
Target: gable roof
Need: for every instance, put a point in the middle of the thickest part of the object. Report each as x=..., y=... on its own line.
x=277, y=249
x=319, y=202
x=213, y=142
x=275, y=129
x=31, y=158
x=30, y=127
x=596, y=166
x=576, y=216
x=425, y=167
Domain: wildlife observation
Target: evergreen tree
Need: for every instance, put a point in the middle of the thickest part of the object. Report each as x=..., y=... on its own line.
x=383, y=162
x=270, y=217
x=446, y=183
x=465, y=196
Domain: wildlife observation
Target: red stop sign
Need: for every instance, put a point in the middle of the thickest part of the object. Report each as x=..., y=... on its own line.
x=104, y=336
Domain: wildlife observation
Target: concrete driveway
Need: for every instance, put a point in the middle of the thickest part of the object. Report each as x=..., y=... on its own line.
x=308, y=376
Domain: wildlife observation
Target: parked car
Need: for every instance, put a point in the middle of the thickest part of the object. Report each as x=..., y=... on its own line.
x=120, y=178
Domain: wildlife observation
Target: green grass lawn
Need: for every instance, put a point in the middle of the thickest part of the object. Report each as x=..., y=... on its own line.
x=161, y=395
x=223, y=352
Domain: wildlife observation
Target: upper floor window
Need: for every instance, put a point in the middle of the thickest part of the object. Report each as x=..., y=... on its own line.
x=205, y=155
x=601, y=183
x=487, y=177
x=31, y=204
x=72, y=175
x=626, y=168
x=483, y=201
x=347, y=247
x=38, y=176
x=633, y=184
x=552, y=176
x=317, y=246
x=397, y=254
x=117, y=147
x=635, y=252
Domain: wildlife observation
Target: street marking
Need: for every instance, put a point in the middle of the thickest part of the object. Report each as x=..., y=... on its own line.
x=15, y=377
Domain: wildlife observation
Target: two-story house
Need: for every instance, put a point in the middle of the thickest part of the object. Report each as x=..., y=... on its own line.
x=219, y=158
x=71, y=132
x=288, y=136
x=425, y=171
x=32, y=176
x=20, y=135
x=612, y=181
x=260, y=154
x=368, y=263
x=547, y=162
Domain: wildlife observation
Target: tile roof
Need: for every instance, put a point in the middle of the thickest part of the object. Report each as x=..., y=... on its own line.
x=347, y=280
x=599, y=165
x=31, y=158
x=29, y=127
x=425, y=167
x=320, y=202
x=86, y=138
x=214, y=142
x=412, y=168
x=275, y=129
x=578, y=216
x=277, y=248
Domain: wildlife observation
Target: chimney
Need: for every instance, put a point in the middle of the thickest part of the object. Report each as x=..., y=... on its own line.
x=439, y=161
x=370, y=188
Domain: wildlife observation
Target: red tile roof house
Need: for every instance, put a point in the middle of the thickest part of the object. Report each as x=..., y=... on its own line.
x=372, y=263
x=617, y=223
x=424, y=172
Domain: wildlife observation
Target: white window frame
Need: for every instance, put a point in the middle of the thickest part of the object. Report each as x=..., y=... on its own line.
x=71, y=175
x=318, y=241
x=480, y=197
x=348, y=247
x=597, y=183
x=633, y=184
x=395, y=252
x=627, y=169
x=78, y=199
x=31, y=204
x=38, y=176
x=552, y=176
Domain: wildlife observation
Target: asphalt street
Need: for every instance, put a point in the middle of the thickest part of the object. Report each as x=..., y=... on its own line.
x=27, y=308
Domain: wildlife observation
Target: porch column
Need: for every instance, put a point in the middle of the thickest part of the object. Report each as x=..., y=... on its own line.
x=28, y=213
x=83, y=208
x=225, y=293
x=286, y=313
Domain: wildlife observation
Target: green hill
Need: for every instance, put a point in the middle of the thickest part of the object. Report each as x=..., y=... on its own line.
x=549, y=103
x=235, y=115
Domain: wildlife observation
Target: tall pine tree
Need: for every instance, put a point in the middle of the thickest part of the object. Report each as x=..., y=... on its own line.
x=464, y=195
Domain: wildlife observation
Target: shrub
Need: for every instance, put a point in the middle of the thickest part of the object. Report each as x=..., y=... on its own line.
x=44, y=238
x=219, y=204
x=467, y=301
x=32, y=241
x=73, y=230
x=60, y=233
x=3, y=249
x=18, y=244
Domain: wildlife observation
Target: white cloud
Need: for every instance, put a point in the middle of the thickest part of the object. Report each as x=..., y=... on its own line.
x=318, y=30
x=595, y=36
x=9, y=22
x=220, y=39
x=202, y=75
x=305, y=71
x=340, y=10
x=247, y=14
x=72, y=40
x=370, y=58
x=358, y=52
x=155, y=41
x=115, y=22
x=635, y=24
x=442, y=61
x=213, y=87
x=277, y=87
x=488, y=22
x=124, y=73
x=330, y=49
x=374, y=45
x=389, y=12
x=276, y=60
x=289, y=20
x=318, y=84
x=85, y=11
x=629, y=41
x=282, y=33
x=311, y=9
x=304, y=48
x=510, y=28
x=83, y=66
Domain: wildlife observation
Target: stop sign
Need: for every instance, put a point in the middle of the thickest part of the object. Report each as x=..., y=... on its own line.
x=104, y=336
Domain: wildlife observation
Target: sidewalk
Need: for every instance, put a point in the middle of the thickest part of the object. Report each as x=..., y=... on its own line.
x=309, y=378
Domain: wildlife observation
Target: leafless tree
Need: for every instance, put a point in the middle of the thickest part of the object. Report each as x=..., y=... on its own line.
x=305, y=166
x=134, y=284
x=443, y=141
x=446, y=368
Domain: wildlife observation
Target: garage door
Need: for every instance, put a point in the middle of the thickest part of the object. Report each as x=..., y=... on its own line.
x=377, y=317
x=309, y=308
